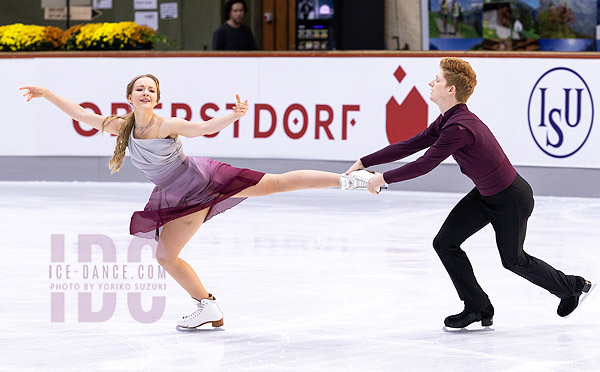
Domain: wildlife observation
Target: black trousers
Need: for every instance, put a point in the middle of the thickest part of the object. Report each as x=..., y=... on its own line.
x=508, y=212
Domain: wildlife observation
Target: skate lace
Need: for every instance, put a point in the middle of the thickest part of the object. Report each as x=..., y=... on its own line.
x=195, y=313
x=359, y=181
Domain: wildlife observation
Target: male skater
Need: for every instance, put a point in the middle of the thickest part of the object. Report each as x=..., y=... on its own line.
x=500, y=197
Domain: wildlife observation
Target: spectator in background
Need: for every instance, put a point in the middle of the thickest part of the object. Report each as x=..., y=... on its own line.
x=233, y=35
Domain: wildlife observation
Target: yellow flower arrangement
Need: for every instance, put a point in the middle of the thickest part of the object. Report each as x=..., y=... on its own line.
x=20, y=37
x=110, y=36
x=92, y=36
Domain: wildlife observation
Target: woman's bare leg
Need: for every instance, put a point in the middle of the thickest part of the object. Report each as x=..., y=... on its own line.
x=291, y=181
x=174, y=236
x=177, y=233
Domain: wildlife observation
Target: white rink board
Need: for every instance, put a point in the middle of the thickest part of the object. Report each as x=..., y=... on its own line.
x=347, y=90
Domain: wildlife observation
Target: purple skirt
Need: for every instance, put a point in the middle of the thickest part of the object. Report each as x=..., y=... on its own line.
x=198, y=183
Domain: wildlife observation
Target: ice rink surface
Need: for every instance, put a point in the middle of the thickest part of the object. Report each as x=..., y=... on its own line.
x=308, y=281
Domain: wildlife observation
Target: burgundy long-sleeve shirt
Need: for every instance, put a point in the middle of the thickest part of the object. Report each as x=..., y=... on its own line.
x=457, y=133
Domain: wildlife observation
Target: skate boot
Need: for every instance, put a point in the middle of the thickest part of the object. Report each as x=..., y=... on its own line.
x=465, y=318
x=207, y=312
x=569, y=304
x=357, y=180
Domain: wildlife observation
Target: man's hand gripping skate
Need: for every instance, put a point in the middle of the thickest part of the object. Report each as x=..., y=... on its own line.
x=376, y=183
x=365, y=179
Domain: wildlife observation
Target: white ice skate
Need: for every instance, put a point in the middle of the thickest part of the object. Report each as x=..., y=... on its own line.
x=358, y=180
x=207, y=312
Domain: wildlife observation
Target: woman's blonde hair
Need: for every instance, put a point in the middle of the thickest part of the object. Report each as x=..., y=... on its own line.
x=123, y=138
x=459, y=73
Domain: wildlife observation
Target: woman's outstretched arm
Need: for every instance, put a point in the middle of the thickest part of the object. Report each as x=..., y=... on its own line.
x=72, y=109
x=171, y=127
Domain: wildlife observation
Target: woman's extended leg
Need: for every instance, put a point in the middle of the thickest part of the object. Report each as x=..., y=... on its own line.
x=174, y=236
x=291, y=181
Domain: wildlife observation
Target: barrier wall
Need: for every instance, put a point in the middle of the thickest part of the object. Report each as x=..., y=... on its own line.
x=331, y=107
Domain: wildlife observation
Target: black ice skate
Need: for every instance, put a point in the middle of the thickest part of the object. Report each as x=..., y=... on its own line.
x=569, y=304
x=465, y=318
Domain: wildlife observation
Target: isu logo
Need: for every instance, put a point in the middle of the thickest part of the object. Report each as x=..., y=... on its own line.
x=560, y=112
x=404, y=120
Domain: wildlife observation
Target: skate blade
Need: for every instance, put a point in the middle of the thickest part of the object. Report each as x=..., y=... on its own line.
x=216, y=327
x=199, y=329
x=467, y=330
x=581, y=299
x=384, y=187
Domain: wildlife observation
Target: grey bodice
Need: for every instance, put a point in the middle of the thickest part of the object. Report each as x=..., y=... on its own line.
x=157, y=157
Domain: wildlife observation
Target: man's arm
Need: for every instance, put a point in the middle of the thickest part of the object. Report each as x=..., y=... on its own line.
x=451, y=140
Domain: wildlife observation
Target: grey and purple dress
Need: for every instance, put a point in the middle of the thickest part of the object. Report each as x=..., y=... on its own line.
x=184, y=185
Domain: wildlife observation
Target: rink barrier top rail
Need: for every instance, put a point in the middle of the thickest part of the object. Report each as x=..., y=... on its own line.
x=299, y=54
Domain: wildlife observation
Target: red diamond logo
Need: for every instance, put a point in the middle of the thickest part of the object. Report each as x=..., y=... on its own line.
x=399, y=74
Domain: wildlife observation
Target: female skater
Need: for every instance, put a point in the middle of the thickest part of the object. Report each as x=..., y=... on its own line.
x=500, y=197
x=188, y=191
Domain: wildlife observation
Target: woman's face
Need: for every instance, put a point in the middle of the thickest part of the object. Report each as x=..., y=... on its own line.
x=144, y=94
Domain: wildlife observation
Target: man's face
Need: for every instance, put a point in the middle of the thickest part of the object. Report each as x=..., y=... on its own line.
x=439, y=89
x=237, y=13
